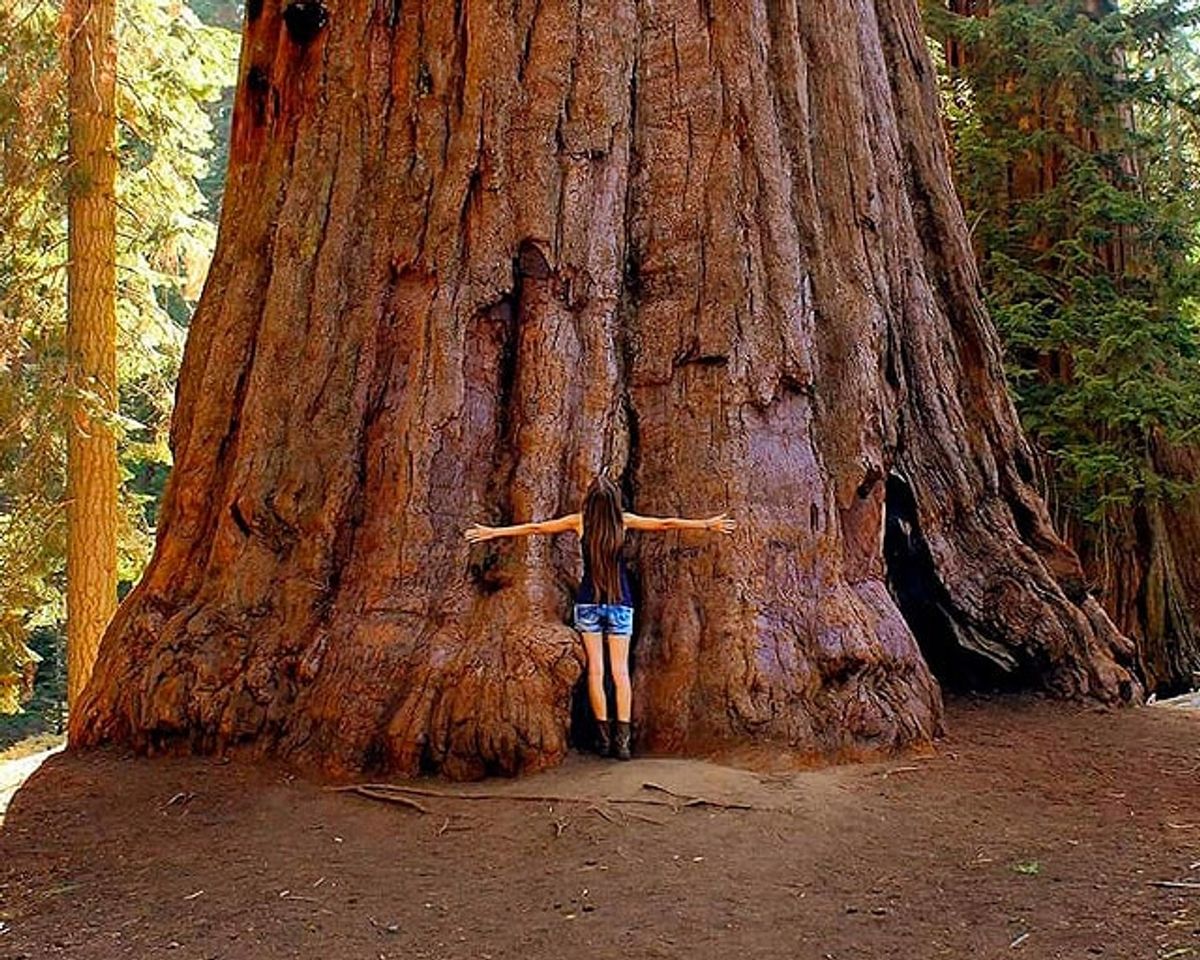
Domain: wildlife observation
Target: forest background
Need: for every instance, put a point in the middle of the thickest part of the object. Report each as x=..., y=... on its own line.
x=1075, y=132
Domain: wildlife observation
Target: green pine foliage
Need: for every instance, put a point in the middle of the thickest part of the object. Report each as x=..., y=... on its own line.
x=171, y=68
x=1074, y=134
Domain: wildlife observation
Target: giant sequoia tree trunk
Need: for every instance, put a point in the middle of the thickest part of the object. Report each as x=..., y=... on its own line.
x=468, y=258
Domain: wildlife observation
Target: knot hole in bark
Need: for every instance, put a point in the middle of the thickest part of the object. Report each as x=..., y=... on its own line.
x=492, y=570
x=424, y=80
x=531, y=262
x=305, y=19
x=259, y=94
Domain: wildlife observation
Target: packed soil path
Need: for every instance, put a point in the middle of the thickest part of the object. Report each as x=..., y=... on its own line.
x=1037, y=830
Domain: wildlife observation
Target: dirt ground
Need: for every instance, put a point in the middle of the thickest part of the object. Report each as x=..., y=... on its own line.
x=1038, y=830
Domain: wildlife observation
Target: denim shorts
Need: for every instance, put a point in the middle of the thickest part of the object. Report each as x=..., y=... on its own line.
x=611, y=618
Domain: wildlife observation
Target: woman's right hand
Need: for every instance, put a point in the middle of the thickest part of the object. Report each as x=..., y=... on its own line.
x=722, y=523
x=477, y=532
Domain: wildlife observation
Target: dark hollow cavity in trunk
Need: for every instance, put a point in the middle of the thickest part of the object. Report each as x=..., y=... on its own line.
x=926, y=606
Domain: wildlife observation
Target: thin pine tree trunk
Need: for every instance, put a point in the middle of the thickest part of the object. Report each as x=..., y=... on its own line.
x=91, y=335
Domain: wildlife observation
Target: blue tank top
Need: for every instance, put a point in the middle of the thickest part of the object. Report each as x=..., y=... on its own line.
x=587, y=587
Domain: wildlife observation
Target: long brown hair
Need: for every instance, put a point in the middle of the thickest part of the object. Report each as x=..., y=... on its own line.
x=603, y=534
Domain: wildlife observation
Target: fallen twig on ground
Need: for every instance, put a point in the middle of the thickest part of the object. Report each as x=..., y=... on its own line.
x=374, y=793
x=645, y=819
x=600, y=811
x=1175, y=884
x=690, y=801
x=396, y=793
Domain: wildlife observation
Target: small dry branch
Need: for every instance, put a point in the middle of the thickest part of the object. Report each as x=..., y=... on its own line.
x=689, y=801
x=374, y=793
x=601, y=812
x=398, y=793
x=645, y=819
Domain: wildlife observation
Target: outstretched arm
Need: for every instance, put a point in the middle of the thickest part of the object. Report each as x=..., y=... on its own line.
x=720, y=523
x=570, y=523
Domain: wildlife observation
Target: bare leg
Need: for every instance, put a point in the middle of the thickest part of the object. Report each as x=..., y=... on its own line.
x=594, y=645
x=618, y=653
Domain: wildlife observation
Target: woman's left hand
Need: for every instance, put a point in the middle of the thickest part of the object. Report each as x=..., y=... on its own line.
x=477, y=532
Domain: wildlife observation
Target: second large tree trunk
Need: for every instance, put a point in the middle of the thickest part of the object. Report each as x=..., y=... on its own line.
x=467, y=260
x=1140, y=560
x=1142, y=564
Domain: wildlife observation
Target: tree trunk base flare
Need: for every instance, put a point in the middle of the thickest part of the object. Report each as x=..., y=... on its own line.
x=468, y=260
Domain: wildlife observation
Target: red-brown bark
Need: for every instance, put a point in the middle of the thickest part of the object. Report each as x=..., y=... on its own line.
x=1142, y=566
x=468, y=258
